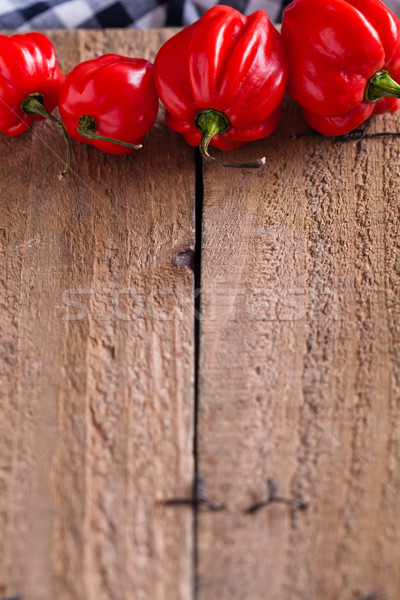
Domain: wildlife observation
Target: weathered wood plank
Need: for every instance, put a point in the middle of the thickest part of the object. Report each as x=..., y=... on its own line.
x=299, y=373
x=299, y=369
x=96, y=414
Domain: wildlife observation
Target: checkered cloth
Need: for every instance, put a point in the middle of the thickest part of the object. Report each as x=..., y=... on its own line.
x=28, y=15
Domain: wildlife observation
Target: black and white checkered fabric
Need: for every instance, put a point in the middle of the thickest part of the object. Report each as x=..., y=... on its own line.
x=28, y=15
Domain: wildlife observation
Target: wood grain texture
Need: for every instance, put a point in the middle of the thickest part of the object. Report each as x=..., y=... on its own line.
x=299, y=369
x=298, y=377
x=96, y=362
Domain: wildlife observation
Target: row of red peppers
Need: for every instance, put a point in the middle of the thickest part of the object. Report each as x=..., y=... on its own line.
x=222, y=79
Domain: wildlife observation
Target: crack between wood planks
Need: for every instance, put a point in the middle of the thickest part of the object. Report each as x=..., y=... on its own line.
x=199, y=200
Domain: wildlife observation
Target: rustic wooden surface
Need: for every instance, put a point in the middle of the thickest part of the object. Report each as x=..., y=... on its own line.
x=294, y=374
x=97, y=360
x=299, y=370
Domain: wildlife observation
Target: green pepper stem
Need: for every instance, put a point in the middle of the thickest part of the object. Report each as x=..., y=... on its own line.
x=211, y=123
x=34, y=105
x=87, y=127
x=381, y=85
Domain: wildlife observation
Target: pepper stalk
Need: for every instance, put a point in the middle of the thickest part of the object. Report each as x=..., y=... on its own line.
x=87, y=126
x=212, y=123
x=381, y=85
x=34, y=105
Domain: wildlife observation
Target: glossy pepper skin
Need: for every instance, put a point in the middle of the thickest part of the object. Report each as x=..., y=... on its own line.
x=225, y=63
x=119, y=96
x=28, y=66
x=344, y=61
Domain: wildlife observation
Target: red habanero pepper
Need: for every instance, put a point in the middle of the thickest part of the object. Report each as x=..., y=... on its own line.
x=222, y=80
x=30, y=83
x=344, y=61
x=110, y=102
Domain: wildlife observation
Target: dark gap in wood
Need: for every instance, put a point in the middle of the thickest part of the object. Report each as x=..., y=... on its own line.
x=195, y=501
x=372, y=596
x=274, y=498
x=199, y=199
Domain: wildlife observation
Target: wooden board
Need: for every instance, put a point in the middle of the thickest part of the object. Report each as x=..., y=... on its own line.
x=299, y=369
x=96, y=410
x=294, y=372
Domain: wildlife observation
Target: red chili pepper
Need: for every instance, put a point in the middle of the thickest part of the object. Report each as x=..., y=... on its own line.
x=110, y=102
x=222, y=80
x=30, y=83
x=344, y=61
